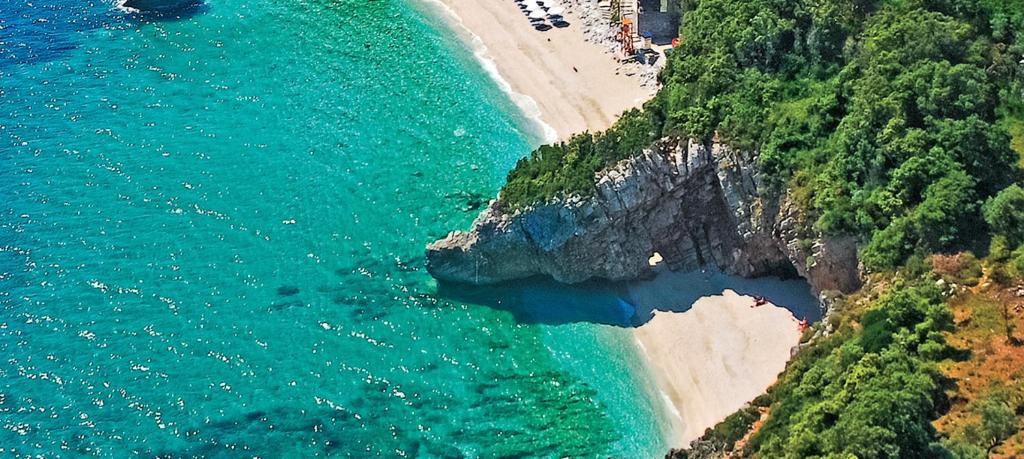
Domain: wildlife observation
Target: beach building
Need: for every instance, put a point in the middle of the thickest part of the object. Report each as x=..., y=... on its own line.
x=646, y=24
x=658, y=20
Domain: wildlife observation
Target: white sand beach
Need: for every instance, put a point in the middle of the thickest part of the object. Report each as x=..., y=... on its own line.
x=572, y=83
x=712, y=359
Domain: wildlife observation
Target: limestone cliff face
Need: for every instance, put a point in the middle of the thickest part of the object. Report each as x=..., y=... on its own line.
x=694, y=204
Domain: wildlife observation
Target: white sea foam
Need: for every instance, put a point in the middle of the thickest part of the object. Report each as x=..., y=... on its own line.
x=525, y=103
x=120, y=5
x=669, y=405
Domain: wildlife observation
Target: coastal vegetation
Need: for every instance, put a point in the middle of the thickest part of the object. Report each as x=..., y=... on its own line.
x=891, y=120
x=568, y=168
x=898, y=122
x=918, y=364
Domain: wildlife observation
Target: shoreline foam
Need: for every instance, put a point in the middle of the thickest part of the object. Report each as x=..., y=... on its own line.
x=526, y=104
x=561, y=82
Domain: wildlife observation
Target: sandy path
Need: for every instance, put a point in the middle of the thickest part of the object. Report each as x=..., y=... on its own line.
x=540, y=65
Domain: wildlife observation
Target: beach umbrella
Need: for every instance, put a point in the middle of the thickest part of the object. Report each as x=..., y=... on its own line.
x=556, y=11
x=537, y=15
x=532, y=6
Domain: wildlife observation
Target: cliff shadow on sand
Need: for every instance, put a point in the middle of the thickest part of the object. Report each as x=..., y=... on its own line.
x=540, y=300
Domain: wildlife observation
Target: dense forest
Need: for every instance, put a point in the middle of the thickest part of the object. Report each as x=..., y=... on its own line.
x=889, y=113
x=900, y=122
x=892, y=120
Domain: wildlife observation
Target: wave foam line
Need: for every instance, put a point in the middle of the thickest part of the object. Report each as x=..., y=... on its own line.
x=527, y=105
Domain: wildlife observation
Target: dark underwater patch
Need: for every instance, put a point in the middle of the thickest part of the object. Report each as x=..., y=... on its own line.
x=165, y=10
x=287, y=305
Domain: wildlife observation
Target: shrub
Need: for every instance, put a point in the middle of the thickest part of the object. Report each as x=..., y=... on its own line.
x=1015, y=266
x=961, y=268
x=999, y=249
x=997, y=421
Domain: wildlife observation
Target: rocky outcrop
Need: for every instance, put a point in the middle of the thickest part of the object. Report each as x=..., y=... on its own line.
x=692, y=203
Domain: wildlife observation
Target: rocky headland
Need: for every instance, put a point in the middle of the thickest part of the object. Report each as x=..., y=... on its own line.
x=695, y=204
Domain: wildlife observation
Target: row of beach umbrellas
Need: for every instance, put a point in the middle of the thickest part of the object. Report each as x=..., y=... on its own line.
x=537, y=12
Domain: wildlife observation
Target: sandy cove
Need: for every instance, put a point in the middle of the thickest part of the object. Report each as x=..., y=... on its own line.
x=711, y=360
x=572, y=82
x=708, y=361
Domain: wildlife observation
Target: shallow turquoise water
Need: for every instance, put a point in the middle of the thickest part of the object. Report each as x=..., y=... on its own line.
x=211, y=238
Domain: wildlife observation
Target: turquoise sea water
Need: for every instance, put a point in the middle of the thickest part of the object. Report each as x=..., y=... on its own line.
x=211, y=238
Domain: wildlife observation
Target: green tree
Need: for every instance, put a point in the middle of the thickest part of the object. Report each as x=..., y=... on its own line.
x=1004, y=214
x=997, y=422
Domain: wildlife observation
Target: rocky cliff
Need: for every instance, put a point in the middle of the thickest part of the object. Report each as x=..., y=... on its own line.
x=694, y=204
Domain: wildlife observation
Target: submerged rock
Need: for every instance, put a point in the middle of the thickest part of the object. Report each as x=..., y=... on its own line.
x=158, y=6
x=694, y=204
